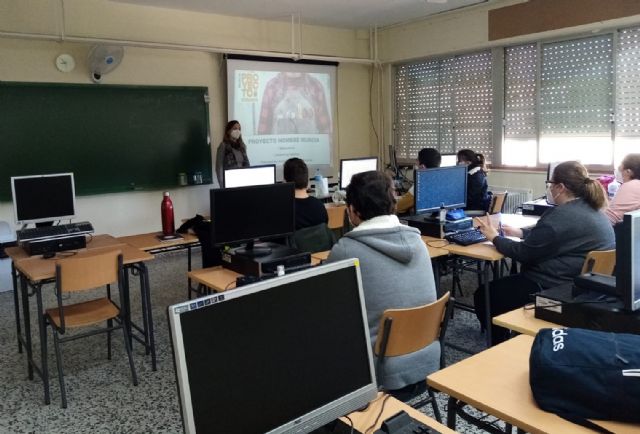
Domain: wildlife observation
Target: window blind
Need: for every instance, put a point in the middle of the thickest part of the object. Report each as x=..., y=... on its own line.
x=444, y=104
x=576, y=87
x=628, y=84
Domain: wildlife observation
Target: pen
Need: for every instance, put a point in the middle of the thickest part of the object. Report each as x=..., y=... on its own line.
x=500, y=231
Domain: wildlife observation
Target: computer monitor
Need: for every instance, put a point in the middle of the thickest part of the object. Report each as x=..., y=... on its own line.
x=284, y=355
x=245, y=176
x=43, y=198
x=449, y=160
x=628, y=260
x=247, y=214
x=351, y=166
x=550, y=168
x=440, y=187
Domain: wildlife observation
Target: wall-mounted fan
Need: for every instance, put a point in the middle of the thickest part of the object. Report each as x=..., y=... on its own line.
x=103, y=59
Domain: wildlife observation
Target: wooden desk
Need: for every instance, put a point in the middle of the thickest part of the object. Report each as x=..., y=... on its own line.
x=364, y=419
x=496, y=381
x=318, y=257
x=523, y=321
x=35, y=271
x=217, y=278
x=150, y=243
x=336, y=215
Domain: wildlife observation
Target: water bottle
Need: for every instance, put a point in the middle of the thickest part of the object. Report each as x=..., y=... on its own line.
x=166, y=213
x=318, y=181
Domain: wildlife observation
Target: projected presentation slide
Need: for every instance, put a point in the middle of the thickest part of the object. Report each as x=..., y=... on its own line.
x=285, y=109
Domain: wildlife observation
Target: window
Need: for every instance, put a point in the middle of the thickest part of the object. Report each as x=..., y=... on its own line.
x=563, y=100
x=444, y=104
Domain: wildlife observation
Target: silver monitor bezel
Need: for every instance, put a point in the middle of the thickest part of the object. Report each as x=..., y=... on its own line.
x=47, y=219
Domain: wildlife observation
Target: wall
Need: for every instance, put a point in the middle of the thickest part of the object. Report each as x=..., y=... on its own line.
x=466, y=31
x=33, y=60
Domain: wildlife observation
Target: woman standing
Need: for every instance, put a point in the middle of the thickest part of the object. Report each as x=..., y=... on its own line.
x=232, y=152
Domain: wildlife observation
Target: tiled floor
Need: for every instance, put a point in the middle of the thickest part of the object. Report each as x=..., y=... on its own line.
x=101, y=396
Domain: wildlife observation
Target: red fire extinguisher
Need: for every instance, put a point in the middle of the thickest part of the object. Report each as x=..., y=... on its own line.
x=166, y=212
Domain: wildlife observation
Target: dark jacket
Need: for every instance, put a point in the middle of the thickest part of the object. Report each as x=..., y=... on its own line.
x=553, y=251
x=229, y=157
x=477, y=195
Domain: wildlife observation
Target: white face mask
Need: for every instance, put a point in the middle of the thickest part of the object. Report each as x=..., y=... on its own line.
x=618, y=175
x=235, y=134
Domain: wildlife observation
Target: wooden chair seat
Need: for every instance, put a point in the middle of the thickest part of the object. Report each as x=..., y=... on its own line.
x=85, y=313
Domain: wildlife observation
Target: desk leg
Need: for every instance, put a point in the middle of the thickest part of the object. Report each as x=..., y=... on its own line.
x=127, y=305
x=27, y=324
x=16, y=304
x=435, y=265
x=188, y=269
x=144, y=286
x=487, y=301
x=145, y=322
x=452, y=411
x=43, y=345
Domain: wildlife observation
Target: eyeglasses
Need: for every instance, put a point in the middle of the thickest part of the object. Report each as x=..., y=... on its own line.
x=549, y=183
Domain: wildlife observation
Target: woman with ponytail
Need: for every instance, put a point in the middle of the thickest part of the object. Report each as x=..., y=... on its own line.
x=553, y=251
x=478, y=198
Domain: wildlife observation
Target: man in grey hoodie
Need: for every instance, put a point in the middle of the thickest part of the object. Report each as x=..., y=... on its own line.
x=395, y=267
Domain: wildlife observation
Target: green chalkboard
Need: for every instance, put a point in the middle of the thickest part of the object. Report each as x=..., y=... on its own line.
x=113, y=138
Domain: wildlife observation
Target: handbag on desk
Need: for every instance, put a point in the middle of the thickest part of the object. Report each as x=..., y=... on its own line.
x=583, y=374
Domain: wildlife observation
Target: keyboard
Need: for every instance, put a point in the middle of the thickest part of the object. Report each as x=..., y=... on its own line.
x=466, y=237
x=58, y=231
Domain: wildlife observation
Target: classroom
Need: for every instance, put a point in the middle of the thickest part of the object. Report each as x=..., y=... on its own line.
x=189, y=46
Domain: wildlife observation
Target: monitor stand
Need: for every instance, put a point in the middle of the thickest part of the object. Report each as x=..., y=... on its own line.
x=253, y=251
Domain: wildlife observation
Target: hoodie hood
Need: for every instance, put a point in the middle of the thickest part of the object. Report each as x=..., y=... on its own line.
x=397, y=243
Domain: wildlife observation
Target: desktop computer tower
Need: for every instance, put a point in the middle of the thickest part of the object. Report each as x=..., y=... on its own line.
x=53, y=245
x=535, y=207
x=291, y=259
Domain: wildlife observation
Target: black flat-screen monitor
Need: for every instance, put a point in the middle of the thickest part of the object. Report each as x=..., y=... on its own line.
x=442, y=187
x=351, y=166
x=254, y=175
x=247, y=214
x=284, y=355
x=449, y=160
x=628, y=260
x=43, y=198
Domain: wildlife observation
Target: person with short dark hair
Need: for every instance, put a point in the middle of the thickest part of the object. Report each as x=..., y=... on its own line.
x=478, y=198
x=395, y=267
x=552, y=253
x=232, y=152
x=309, y=210
x=627, y=197
x=428, y=158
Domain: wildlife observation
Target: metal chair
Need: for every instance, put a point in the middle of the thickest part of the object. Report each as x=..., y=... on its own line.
x=405, y=331
x=82, y=272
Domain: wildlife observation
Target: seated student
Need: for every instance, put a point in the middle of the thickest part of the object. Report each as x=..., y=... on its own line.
x=478, y=198
x=395, y=266
x=309, y=210
x=428, y=158
x=553, y=251
x=628, y=196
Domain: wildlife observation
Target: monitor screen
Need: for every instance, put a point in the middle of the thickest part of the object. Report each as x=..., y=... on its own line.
x=628, y=260
x=449, y=160
x=440, y=187
x=550, y=168
x=250, y=213
x=41, y=198
x=256, y=175
x=287, y=354
x=351, y=166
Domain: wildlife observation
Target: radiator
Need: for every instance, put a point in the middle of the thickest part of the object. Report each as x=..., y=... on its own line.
x=515, y=197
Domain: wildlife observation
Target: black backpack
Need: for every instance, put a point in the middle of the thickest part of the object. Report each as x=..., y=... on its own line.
x=585, y=374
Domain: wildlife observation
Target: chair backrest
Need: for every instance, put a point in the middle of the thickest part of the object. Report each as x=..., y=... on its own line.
x=600, y=261
x=336, y=215
x=88, y=270
x=411, y=329
x=497, y=202
x=316, y=238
